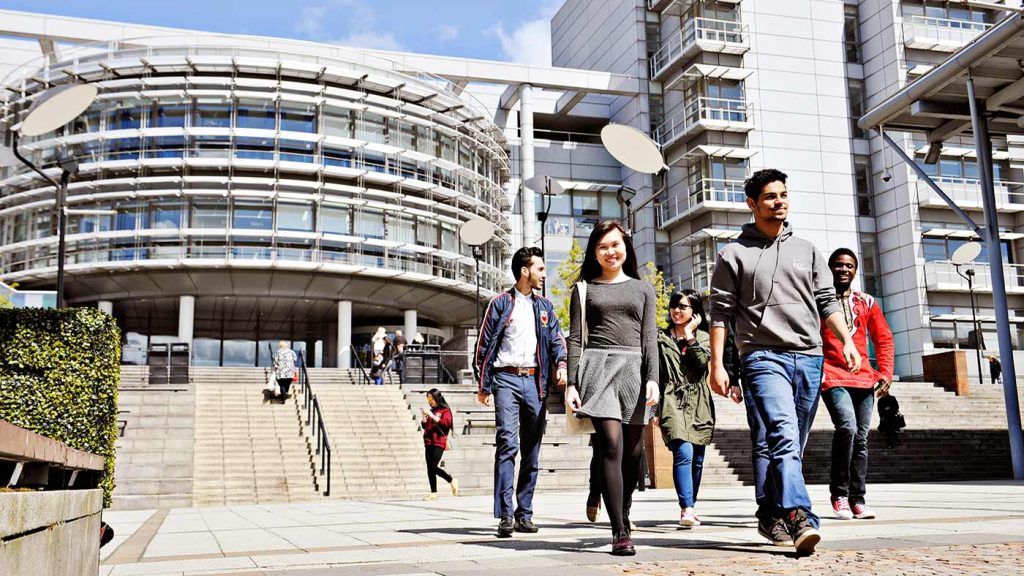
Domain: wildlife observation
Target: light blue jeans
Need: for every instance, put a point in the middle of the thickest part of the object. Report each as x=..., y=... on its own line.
x=687, y=466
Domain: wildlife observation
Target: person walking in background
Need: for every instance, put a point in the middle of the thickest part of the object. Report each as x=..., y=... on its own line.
x=520, y=341
x=613, y=366
x=686, y=413
x=399, y=344
x=995, y=369
x=284, y=368
x=774, y=287
x=850, y=397
x=437, y=421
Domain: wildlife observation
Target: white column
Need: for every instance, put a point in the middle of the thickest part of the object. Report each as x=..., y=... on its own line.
x=106, y=306
x=186, y=318
x=526, y=168
x=410, y=325
x=344, y=333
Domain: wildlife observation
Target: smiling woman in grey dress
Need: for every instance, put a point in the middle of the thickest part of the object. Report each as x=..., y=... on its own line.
x=613, y=376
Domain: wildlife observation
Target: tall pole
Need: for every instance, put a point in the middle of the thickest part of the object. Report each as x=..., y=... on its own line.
x=62, y=191
x=979, y=125
x=476, y=254
x=974, y=323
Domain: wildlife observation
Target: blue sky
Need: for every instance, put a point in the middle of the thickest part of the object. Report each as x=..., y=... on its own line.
x=514, y=30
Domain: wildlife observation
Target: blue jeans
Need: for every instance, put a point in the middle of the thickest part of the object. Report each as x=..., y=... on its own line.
x=519, y=416
x=687, y=466
x=850, y=409
x=781, y=390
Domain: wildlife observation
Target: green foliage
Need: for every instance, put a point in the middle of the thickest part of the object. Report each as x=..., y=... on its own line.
x=59, y=373
x=561, y=293
x=662, y=290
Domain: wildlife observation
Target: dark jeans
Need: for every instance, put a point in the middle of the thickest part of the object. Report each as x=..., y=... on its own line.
x=519, y=418
x=434, y=454
x=284, y=384
x=850, y=409
x=781, y=390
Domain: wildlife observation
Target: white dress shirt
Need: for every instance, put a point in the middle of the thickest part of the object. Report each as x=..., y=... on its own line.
x=519, y=343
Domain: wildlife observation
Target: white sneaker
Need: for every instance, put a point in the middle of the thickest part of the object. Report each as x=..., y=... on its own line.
x=688, y=519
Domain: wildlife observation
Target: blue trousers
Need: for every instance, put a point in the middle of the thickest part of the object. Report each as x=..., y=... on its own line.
x=850, y=409
x=781, y=392
x=687, y=466
x=519, y=415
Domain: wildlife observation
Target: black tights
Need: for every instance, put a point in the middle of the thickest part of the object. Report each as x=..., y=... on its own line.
x=434, y=454
x=620, y=447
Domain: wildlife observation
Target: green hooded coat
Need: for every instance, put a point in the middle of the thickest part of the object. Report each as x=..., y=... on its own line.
x=686, y=411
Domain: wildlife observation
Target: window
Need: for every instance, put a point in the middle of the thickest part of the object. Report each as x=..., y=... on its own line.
x=370, y=223
x=335, y=220
x=212, y=113
x=337, y=122
x=862, y=183
x=426, y=233
x=255, y=148
x=855, y=90
x=170, y=114
x=337, y=157
x=851, y=34
x=402, y=229
x=586, y=212
x=211, y=213
x=256, y=114
x=296, y=151
x=297, y=217
x=371, y=128
x=125, y=115
x=298, y=119
x=166, y=215
x=211, y=146
x=252, y=216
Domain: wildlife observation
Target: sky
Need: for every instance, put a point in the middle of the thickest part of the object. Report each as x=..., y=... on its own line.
x=511, y=30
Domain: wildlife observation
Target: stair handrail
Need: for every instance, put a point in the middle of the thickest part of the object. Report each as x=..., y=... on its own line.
x=315, y=419
x=362, y=369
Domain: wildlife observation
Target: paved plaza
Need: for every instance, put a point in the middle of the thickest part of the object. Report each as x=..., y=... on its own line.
x=955, y=528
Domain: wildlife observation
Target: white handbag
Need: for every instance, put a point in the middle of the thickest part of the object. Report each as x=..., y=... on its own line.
x=272, y=386
x=573, y=425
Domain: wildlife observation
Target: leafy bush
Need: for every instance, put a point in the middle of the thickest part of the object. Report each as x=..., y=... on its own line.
x=59, y=373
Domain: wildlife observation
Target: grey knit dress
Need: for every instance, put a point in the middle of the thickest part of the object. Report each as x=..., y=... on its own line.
x=621, y=354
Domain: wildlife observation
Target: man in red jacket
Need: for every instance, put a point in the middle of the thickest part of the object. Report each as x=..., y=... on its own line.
x=850, y=396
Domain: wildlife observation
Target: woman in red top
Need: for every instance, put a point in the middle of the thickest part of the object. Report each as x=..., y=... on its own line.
x=850, y=396
x=437, y=423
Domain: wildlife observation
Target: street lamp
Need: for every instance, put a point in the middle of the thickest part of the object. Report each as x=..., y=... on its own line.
x=636, y=151
x=548, y=187
x=476, y=233
x=50, y=110
x=965, y=255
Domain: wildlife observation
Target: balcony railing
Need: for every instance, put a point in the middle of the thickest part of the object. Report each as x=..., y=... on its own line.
x=966, y=192
x=700, y=34
x=727, y=114
x=942, y=275
x=942, y=34
x=708, y=190
x=698, y=278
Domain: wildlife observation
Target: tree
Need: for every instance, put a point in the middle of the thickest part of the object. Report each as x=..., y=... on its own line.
x=662, y=290
x=562, y=294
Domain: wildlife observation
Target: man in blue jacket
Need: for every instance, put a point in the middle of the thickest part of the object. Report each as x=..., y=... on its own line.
x=520, y=340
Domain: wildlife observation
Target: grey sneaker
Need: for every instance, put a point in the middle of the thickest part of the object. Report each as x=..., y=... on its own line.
x=805, y=536
x=775, y=530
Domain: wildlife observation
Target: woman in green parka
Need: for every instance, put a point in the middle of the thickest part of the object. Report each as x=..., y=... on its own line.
x=686, y=413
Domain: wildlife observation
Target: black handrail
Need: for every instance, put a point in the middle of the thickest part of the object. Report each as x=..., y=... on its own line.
x=315, y=419
x=362, y=369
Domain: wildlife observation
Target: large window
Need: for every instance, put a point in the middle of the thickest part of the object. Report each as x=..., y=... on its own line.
x=125, y=115
x=256, y=114
x=862, y=181
x=212, y=213
x=851, y=34
x=255, y=148
x=170, y=114
x=252, y=216
x=298, y=118
x=297, y=217
x=371, y=127
x=936, y=249
x=963, y=168
x=338, y=122
x=855, y=90
x=336, y=220
x=370, y=224
x=166, y=215
x=586, y=212
x=212, y=113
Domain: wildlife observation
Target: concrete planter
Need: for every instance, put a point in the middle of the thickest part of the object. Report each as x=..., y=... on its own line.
x=54, y=533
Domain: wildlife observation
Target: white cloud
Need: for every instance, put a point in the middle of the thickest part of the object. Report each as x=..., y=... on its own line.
x=310, y=22
x=360, y=27
x=447, y=33
x=370, y=40
x=530, y=42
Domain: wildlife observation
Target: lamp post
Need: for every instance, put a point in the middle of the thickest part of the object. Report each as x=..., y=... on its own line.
x=476, y=233
x=50, y=110
x=965, y=255
x=548, y=188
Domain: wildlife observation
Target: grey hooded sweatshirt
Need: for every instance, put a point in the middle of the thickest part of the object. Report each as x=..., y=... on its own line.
x=775, y=291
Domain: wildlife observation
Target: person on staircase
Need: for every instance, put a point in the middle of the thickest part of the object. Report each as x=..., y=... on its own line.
x=686, y=414
x=437, y=422
x=850, y=397
x=284, y=368
x=519, y=343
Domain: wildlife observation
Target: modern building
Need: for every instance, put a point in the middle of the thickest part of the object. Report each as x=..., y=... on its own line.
x=269, y=188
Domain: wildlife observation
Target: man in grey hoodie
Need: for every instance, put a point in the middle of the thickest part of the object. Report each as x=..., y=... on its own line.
x=773, y=288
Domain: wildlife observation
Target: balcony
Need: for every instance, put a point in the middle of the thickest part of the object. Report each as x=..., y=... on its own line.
x=700, y=35
x=699, y=278
x=941, y=276
x=966, y=192
x=706, y=113
x=713, y=194
x=940, y=34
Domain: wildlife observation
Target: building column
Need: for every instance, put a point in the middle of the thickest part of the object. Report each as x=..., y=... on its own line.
x=106, y=306
x=526, y=169
x=344, y=333
x=186, y=318
x=410, y=325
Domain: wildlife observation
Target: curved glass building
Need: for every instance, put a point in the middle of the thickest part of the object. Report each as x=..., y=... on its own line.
x=254, y=194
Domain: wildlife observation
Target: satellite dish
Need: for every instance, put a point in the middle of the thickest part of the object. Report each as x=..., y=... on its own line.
x=544, y=185
x=966, y=253
x=632, y=148
x=56, y=107
x=476, y=232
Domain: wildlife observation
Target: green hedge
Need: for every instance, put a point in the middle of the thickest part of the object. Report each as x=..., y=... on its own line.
x=59, y=372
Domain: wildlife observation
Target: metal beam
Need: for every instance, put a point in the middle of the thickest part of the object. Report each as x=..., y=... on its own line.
x=567, y=102
x=460, y=86
x=934, y=109
x=509, y=98
x=1006, y=95
x=948, y=130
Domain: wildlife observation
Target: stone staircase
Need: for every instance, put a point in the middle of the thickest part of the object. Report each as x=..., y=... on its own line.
x=377, y=446
x=247, y=450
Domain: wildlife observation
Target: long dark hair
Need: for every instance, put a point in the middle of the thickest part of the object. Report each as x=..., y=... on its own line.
x=591, y=268
x=696, y=302
x=438, y=398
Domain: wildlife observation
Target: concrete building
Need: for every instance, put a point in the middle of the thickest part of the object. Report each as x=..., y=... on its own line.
x=270, y=188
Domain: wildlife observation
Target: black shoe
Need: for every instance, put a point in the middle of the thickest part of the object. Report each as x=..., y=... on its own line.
x=526, y=525
x=775, y=530
x=805, y=535
x=505, y=527
x=623, y=546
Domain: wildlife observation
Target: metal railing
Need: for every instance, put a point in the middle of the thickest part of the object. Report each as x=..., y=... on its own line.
x=708, y=190
x=725, y=32
x=703, y=109
x=315, y=419
x=364, y=377
x=968, y=191
x=929, y=32
x=699, y=278
x=942, y=273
